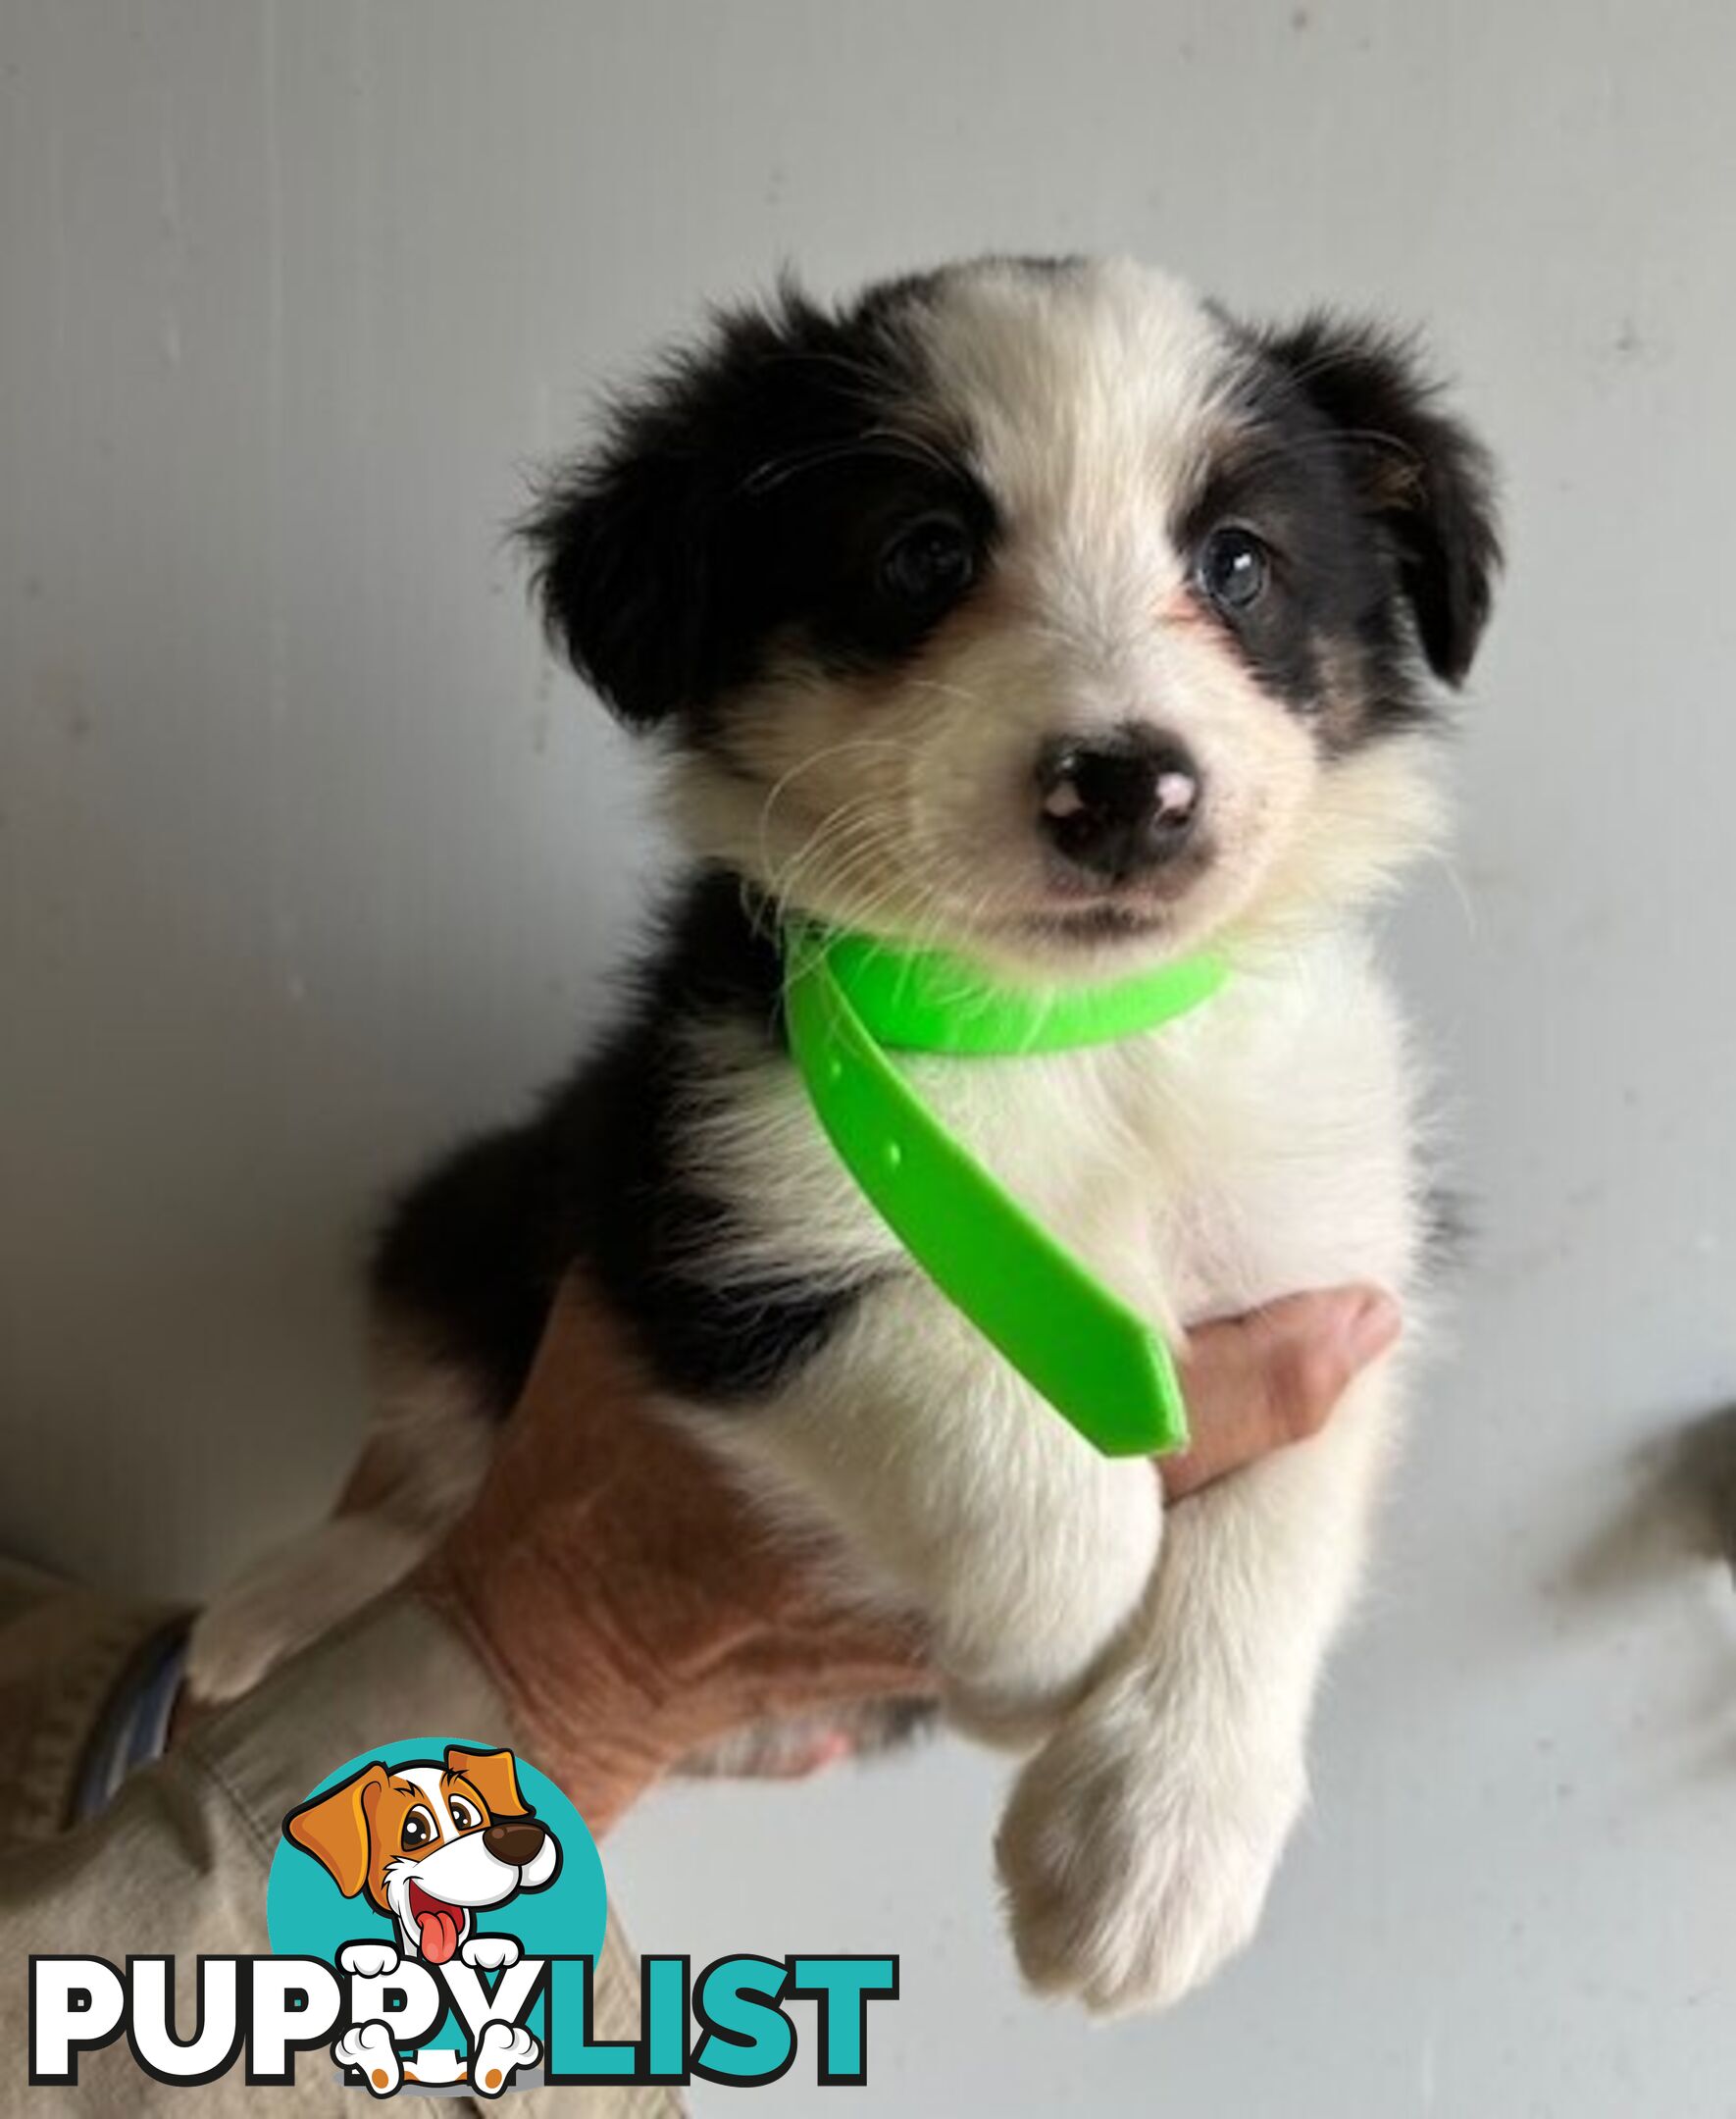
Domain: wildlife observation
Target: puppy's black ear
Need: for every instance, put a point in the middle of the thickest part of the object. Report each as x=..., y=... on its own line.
x=639, y=549
x=1426, y=477
x=621, y=547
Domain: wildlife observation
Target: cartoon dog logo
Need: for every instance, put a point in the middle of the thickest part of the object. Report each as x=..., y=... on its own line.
x=430, y=1843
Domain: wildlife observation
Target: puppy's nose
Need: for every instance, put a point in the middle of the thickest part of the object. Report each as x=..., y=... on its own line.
x=1120, y=801
x=516, y=1842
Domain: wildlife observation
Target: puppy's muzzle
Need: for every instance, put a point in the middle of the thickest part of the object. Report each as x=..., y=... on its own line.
x=1119, y=803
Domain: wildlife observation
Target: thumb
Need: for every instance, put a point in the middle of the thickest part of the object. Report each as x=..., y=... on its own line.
x=1273, y=1376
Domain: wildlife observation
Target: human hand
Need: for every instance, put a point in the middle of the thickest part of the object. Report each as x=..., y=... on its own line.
x=633, y=1609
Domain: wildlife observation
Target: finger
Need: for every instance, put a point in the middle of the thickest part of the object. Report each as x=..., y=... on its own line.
x=1257, y=1382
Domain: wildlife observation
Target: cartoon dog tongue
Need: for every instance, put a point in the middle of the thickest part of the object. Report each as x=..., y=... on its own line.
x=440, y=1924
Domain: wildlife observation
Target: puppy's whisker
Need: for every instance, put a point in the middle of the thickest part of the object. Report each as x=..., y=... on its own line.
x=942, y=690
x=847, y=819
x=782, y=786
x=842, y=846
x=848, y=816
x=816, y=759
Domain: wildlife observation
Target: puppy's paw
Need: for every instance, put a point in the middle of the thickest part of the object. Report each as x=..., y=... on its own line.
x=368, y=2048
x=1135, y=1856
x=500, y=2051
x=368, y=1960
x=289, y=1598
x=490, y=1953
x=231, y=1647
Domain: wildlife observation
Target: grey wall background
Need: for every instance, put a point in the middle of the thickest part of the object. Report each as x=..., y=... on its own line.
x=308, y=858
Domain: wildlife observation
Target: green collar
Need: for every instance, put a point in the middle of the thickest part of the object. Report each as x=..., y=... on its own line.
x=846, y=999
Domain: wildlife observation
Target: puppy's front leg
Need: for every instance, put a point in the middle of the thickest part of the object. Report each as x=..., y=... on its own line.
x=962, y=1497
x=1139, y=1842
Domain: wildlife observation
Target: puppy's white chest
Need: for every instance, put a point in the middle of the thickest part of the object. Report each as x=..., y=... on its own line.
x=1258, y=1145
x=1261, y=1145
x=1081, y=1140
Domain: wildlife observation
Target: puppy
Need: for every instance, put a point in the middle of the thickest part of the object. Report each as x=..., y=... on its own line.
x=1045, y=612
x=430, y=1845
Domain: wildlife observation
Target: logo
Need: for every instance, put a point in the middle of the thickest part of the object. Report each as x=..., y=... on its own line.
x=415, y=1874
x=436, y=1911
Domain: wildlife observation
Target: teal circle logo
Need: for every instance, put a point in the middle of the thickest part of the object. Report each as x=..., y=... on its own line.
x=428, y=1845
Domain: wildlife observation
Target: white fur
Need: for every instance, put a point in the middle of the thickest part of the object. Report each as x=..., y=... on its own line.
x=1261, y=1145
x=292, y=1596
x=433, y=1450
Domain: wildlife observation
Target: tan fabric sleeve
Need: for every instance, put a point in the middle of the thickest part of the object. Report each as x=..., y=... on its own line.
x=178, y=1861
x=64, y=1648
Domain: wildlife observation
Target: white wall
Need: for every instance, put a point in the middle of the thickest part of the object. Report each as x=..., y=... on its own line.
x=307, y=858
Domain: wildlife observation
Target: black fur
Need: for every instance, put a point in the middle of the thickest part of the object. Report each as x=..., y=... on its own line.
x=1354, y=401
x=472, y=1255
x=748, y=493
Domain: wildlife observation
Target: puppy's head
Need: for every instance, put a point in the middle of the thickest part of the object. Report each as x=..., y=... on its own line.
x=1037, y=609
x=429, y=1842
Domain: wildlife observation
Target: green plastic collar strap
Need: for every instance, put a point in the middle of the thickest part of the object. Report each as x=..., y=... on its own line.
x=1096, y=1359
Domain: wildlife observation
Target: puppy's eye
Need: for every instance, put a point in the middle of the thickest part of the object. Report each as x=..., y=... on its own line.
x=930, y=562
x=463, y=1815
x=417, y=1831
x=1234, y=567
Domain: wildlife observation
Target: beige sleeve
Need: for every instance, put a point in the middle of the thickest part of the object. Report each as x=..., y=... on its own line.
x=178, y=1862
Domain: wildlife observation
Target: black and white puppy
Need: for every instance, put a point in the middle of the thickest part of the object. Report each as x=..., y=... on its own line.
x=1041, y=610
